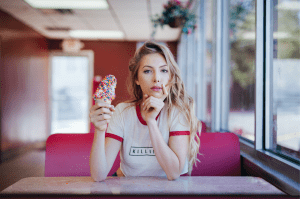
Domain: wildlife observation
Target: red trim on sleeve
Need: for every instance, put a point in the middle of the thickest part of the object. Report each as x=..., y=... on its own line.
x=174, y=133
x=138, y=112
x=116, y=137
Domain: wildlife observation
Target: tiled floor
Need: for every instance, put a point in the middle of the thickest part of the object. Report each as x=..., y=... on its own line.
x=31, y=164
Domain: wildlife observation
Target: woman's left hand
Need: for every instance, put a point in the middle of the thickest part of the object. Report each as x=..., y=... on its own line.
x=152, y=105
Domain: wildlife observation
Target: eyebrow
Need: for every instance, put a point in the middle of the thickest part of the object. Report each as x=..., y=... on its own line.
x=152, y=67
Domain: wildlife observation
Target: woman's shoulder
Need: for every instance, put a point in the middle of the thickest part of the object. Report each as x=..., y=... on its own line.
x=178, y=117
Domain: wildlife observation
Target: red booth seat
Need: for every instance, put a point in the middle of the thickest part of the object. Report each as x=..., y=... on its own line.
x=220, y=155
x=68, y=155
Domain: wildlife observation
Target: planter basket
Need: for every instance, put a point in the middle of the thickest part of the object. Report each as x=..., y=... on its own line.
x=176, y=22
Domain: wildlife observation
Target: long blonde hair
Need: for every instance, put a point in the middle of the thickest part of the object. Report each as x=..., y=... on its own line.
x=177, y=96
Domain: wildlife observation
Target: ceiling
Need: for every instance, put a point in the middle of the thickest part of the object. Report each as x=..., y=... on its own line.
x=132, y=17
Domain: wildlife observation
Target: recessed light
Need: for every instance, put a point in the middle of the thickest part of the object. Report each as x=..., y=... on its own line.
x=96, y=34
x=68, y=4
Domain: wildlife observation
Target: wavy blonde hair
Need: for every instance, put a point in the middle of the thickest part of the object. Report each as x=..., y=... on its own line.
x=177, y=96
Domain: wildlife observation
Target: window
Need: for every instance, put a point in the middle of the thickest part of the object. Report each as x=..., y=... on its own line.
x=192, y=60
x=209, y=32
x=242, y=65
x=70, y=92
x=284, y=68
x=253, y=91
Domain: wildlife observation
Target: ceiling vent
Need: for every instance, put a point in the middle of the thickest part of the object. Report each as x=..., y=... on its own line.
x=65, y=11
x=57, y=11
x=58, y=28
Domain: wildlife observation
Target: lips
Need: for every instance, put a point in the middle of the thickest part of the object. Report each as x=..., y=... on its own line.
x=156, y=88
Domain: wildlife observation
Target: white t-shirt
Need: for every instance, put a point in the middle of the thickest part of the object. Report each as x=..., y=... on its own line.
x=137, y=154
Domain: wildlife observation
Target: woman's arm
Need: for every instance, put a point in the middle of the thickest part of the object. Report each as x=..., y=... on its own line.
x=171, y=157
x=103, y=154
x=104, y=150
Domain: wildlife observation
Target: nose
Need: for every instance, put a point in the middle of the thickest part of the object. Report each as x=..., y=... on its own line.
x=156, y=77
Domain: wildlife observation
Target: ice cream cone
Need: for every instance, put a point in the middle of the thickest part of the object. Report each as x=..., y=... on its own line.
x=103, y=101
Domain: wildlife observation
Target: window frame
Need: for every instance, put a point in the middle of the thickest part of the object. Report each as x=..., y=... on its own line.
x=280, y=172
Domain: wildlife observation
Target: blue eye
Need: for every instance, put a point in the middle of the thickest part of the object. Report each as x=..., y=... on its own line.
x=165, y=71
x=146, y=71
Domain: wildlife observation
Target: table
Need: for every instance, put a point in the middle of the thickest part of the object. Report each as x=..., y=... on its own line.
x=195, y=185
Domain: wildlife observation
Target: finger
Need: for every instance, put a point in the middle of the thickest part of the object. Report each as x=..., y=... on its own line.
x=102, y=111
x=146, y=97
x=101, y=118
x=153, y=102
x=165, y=92
x=105, y=117
x=100, y=105
x=94, y=107
x=112, y=109
x=146, y=102
x=146, y=105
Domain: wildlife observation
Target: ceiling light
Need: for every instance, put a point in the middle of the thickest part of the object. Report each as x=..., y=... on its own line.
x=289, y=5
x=68, y=4
x=96, y=34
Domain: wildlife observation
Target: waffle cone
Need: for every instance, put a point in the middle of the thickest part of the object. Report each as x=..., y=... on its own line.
x=102, y=101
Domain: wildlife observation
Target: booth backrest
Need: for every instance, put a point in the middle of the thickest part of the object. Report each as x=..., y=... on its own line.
x=68, y=155
x=219, y=155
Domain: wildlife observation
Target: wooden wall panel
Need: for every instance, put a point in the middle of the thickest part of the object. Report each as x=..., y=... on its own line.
x=24, y=86
x=24, y=93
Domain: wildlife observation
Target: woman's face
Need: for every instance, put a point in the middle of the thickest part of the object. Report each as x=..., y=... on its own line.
x=152, y=73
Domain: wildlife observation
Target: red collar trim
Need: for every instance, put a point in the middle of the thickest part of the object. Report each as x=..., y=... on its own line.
x=139, y=115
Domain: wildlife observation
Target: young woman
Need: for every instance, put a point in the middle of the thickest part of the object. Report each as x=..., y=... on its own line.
x=156, y=132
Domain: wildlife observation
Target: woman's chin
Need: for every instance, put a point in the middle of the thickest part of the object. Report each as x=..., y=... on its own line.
x=156, y=94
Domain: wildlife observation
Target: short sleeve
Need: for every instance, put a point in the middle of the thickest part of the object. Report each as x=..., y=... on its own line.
x=115, y=128
x=179, y=124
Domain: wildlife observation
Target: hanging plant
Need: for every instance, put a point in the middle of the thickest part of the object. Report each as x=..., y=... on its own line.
x=176, y=15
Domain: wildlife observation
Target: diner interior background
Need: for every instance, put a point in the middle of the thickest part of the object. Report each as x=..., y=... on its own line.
x=24, y=92
x=25, y=72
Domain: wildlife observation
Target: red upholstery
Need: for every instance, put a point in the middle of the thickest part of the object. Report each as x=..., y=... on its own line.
x=68, y=155
x=221, y=155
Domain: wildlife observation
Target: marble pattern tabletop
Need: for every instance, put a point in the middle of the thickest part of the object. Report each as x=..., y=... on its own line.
x=200, y=185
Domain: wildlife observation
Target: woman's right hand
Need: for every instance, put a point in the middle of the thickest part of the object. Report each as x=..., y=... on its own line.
x=100, y=115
